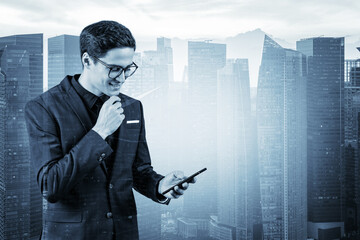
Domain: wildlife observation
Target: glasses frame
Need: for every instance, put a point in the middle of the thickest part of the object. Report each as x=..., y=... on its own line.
x=123, y=70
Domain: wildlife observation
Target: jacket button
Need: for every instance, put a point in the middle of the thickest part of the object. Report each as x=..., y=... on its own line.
x=111, y=186
x=109, y=215
x=102, y=156
x=130, y=217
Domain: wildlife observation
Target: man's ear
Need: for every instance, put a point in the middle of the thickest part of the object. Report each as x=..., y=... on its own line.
x=86, y=59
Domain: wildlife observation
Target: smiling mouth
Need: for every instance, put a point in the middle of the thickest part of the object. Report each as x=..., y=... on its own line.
x=115, y=83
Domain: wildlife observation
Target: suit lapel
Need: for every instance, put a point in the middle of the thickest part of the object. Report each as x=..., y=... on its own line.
x=72, y=99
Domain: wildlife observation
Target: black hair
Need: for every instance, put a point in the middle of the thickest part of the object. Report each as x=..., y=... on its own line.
x=98, y=38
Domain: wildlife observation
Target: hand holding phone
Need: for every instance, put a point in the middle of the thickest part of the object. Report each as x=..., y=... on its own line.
x=188, y=180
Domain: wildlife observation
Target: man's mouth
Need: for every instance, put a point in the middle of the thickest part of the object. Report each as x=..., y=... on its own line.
x=115, y=83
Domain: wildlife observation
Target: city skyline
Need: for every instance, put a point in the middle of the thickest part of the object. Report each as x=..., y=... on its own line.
x=191, y=106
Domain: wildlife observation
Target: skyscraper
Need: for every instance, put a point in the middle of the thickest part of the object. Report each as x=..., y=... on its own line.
x=204, y=60
x=281, y=120
x=63, y=58
x=22, y=70
x=33, y=43
x=15, y=195
x=325, y=91
x=236, y=155
x=351, y=146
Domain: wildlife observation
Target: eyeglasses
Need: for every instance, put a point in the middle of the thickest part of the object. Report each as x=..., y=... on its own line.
x=115, y=70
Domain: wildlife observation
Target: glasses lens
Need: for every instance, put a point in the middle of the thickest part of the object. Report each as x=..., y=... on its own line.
x=130, y=70
x=116, y=72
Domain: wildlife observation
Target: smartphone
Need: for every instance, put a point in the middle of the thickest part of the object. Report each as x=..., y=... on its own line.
x=188, y=179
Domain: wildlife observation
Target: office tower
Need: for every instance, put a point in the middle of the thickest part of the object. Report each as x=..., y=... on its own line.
x=325, y=63
x=204, y=60
x=2, y=155
x=351, y=146
x=22, y=65
x=33, y=43
x=15, y=172
x=281, y=121
x=236, y=156
x=63, y=58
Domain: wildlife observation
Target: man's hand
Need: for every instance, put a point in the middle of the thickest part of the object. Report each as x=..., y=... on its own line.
x=172, y=179
x=110, y=117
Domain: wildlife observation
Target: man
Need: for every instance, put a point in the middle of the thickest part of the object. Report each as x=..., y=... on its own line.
x=88, y=144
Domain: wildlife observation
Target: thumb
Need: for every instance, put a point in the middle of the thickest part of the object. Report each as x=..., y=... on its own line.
x=178, y=174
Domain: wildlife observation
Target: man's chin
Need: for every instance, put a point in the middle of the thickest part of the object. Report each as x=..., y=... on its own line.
x=113, y=92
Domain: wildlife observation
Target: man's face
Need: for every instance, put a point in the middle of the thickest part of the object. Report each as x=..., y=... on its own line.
x=99, y=81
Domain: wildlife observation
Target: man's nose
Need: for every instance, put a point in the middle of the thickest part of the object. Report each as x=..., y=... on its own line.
x=121, y=77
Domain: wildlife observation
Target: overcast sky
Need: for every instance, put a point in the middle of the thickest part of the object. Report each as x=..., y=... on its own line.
x=286, y=19
x=289, y=20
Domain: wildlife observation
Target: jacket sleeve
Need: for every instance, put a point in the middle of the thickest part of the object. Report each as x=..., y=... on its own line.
x=145, y=178
x=58, y=173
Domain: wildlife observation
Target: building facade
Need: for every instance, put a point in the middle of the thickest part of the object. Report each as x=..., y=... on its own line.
x=22, y=79
x=281, y=121
x=325, y=111
x=63, y=58
x=351, y=145
x=238, y=194
x=204, y=60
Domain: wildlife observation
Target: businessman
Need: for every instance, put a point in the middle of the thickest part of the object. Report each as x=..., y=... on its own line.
x=88, y=145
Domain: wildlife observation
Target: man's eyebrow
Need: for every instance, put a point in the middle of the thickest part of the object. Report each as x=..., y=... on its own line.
x=114, y=65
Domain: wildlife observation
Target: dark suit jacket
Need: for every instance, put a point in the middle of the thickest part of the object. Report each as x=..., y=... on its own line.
x=84, y=200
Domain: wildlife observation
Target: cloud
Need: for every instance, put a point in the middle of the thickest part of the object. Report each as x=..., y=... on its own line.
x=188, y=18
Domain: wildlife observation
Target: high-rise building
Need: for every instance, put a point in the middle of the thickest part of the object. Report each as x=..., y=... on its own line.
x=63, y=58
x=236, y=156
x=204, y=60
x=33, y=43
x=281, y=121
x=15, y=174
x=351, y=146
x=2, y=154
x=22, y=68
x=325, y=127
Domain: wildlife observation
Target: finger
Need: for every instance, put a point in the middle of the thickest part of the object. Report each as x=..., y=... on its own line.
x=117, y=105
x=113, y=99
x=178, y=174
x=119, y=110
x=184, y=186
x=174, y=194
x=193, y=180
x=178, y=190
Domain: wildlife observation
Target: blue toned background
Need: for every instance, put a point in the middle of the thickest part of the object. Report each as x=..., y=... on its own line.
x=263, y=94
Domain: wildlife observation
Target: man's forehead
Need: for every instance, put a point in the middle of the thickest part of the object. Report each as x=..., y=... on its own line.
x=118, y=53
x=119, y=56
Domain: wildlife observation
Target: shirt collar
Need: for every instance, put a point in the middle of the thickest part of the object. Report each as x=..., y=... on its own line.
x=88, y=97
